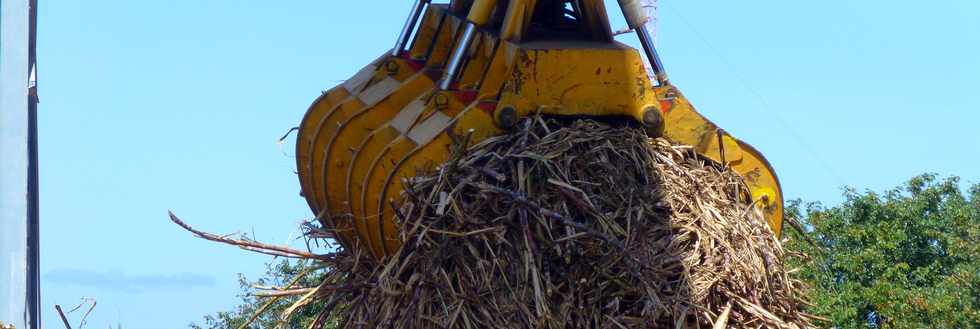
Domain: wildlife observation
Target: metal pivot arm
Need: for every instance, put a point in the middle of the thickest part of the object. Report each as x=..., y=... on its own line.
x=637, y=18
x=409, y=27
x=479, y=15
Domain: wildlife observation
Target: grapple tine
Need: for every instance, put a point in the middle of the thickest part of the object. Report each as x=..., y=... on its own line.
x=368, y=99
x=432, y=140
x=350, y=131
x=406, y=147
x=322, y=106
x=374, y=143
x=329, y=124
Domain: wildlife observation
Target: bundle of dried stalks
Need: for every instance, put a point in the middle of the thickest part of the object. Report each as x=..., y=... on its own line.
x=570, y=224
x=580, y=224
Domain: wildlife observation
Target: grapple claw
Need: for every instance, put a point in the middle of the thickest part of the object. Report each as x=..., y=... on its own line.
x=400, y=115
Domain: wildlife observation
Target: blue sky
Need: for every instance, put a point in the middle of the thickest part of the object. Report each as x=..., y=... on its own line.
x=154, y=105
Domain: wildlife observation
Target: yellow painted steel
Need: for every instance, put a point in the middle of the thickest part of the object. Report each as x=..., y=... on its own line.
x=579, y=78
x=516, y=21
x=334, y=107
x=480, y=11
x=378, y=153
x=359, y=140
x=686, y=126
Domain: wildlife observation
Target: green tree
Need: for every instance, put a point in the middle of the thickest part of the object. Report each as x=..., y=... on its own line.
x=908, y=258
x=277, y=275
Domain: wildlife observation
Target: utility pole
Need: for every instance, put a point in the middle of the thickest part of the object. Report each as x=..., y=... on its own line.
x=19, y=216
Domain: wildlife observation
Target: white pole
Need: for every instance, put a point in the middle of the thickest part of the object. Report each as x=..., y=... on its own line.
x=19, y=279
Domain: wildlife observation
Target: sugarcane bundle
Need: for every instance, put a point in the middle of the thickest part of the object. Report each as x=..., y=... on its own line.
x=571, y=224
x=559, y=223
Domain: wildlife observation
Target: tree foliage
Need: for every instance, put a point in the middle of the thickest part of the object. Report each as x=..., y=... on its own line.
x=907, y=258
x=277, y=275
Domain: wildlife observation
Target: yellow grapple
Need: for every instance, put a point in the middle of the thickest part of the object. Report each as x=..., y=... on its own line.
x=475, y=68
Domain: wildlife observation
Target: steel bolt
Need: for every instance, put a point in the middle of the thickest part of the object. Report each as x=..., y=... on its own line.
x=653, y=122
x=441, y=100
x=392, y=67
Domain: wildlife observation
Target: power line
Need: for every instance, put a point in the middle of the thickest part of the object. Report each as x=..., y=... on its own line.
x=765, y=109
